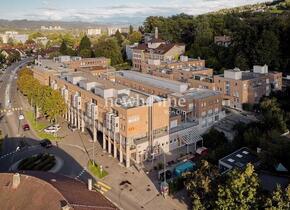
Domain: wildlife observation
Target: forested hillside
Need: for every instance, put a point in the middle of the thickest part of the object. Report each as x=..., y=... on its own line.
x=260, y=33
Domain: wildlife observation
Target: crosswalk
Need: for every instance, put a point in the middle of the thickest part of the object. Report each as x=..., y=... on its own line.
x=11, y=110
x=101, y=187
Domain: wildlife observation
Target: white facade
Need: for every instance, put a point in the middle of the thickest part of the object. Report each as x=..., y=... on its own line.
x=235, y=74
x=94, y=31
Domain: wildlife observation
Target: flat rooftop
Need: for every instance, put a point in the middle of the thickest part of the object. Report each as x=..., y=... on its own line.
x=196, y=93
x=240, y=158
x=173, y=86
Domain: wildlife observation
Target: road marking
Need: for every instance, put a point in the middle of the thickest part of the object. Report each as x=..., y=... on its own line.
x=81, y=173
x=102, y=187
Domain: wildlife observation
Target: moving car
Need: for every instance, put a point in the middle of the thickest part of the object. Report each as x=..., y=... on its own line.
x=46, y=143
x=26, y=127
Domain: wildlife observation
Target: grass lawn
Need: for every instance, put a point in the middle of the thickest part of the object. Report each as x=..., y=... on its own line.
x=96, y=171
x=39, y=126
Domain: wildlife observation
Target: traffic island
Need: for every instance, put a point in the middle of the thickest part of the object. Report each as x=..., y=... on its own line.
x=40, y=162
x=96, y=170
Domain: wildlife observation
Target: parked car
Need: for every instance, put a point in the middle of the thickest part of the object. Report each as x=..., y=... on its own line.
x=26, y=127
x=73, y=128
x=46, y=143
x=52, y=129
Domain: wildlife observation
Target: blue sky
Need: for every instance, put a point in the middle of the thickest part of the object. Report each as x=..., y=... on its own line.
x=109, y=10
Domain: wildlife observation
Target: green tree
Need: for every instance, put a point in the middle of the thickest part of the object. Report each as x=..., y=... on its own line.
x=135, y=37
x=54, y=106
x=63, y=48
x=273, y=115
x=131, y=29
x=240, y=190
x=201, y=185
x=85, y=53
x=109, y=48
x=119, y=37
x=85, y=43
x=280, y=199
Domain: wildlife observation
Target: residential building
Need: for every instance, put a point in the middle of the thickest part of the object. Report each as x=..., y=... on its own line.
x=199, y=105
x=238, y=159
x=13, y=36
x=241, y=87
x=286, y=81
x=129, y=51
x=112, y=30
x=148, y=56
x=184, y=71
x=192, y=105
x=77, y=62
x=51, y=28
x=44, y=190
x=130, y=130
x=132, y=111
x=224, y=40
x=149, y=84
x=94, y=31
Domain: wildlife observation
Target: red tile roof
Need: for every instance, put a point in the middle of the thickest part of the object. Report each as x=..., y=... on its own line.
x=39, y=190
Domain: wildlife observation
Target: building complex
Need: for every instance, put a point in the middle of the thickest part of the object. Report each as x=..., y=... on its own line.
x=134, y=116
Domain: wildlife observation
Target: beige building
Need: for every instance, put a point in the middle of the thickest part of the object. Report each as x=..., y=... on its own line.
x=149, y=56
x=241, y=87
x=134, y=125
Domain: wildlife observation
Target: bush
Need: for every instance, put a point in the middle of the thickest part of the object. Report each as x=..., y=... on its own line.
x=96, y=170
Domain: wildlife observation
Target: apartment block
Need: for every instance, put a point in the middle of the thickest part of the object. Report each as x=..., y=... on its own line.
x=182, y=74
x=149, y=56
x=241, y=87
x=198, y=105
x=149, y=83
x=94, y=31
x=134, y=116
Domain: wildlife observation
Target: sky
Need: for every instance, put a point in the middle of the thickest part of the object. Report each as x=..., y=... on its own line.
x=109, y=10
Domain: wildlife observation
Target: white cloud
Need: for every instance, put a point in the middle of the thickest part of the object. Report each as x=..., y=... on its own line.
x=136, y=10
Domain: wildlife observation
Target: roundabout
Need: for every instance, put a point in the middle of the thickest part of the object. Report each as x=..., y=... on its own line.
x=38, y=162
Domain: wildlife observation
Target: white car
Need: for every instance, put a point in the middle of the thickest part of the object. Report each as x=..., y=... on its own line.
x=52, y=129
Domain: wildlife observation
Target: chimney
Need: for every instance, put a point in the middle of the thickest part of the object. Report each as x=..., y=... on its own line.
x=156, y=32
x=16, y=181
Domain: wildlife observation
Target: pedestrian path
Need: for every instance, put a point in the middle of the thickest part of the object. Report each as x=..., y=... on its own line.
x=102, y=187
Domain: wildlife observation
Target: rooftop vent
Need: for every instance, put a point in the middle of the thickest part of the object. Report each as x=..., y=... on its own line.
x=16, y=181
x=231, y=160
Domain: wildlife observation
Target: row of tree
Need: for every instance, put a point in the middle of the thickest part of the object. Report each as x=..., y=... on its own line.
x=238, y=189
x=257, y=38
x=43, y=98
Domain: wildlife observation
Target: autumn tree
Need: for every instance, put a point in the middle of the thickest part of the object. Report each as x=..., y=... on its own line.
x=239, y=191
x=201, y=185
x=280, y=199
